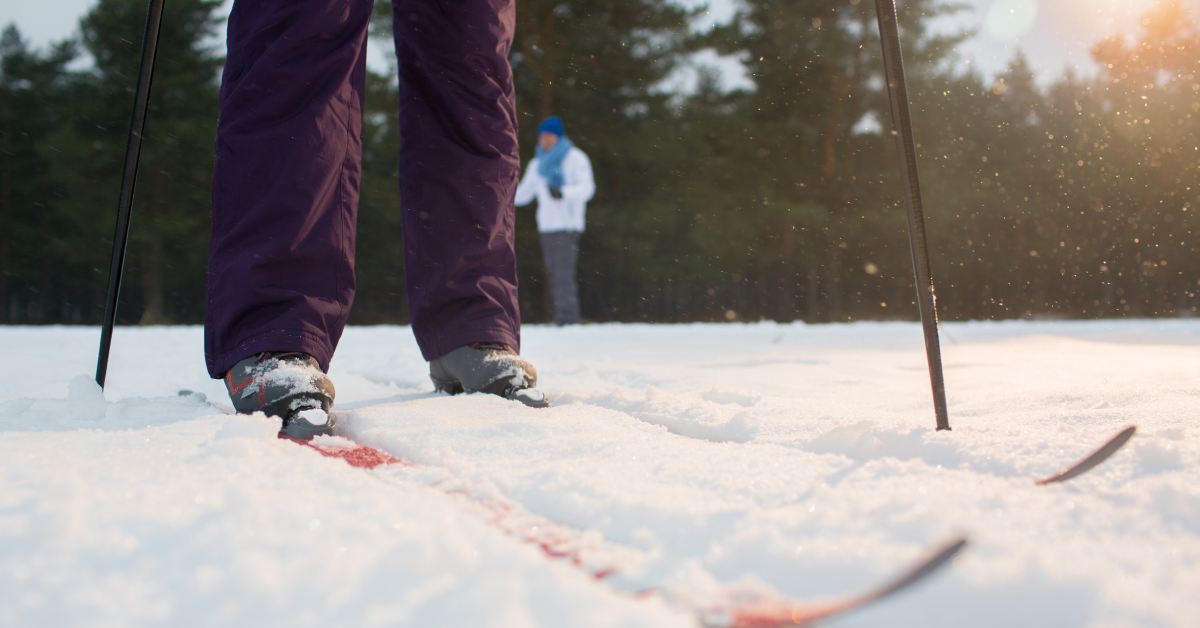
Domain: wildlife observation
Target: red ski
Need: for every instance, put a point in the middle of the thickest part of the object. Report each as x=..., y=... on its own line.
x=732, y=609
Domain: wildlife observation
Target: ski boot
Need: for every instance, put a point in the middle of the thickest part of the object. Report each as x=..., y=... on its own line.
x=489, y=368
x=290, y=386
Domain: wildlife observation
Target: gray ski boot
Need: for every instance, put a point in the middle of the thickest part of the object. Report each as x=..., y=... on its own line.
x=488, y=368
x=290, y=386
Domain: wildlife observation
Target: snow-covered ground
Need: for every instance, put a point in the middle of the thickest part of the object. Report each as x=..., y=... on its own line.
x=792, y=458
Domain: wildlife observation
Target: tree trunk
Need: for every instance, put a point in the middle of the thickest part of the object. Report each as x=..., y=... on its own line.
x=153, y=310
x=813, y=297
x=4, y=246
x=833, y=283
x=540, y=31
x=785, y=309
x=6, y=209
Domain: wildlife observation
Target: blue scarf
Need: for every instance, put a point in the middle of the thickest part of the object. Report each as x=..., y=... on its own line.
x=550, y=162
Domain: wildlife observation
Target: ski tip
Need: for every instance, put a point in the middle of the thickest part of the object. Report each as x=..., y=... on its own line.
x=1092, y=460
x=949, y=550
x=780, y=614
x=1126, y=434
x=937, y=558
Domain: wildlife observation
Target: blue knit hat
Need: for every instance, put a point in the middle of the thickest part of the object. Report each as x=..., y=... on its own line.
x=553, y=124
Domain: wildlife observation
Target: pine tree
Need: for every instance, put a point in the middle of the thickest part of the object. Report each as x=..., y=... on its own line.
x=1148, y=90
x=35, y=88
x=167, y=247
x=816, y=69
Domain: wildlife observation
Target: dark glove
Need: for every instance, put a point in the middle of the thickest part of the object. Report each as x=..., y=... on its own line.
x=556, y=193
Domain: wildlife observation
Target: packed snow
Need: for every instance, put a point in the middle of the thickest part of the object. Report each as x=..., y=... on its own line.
x=692, y=459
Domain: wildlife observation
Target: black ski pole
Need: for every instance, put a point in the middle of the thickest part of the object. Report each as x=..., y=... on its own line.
x=133, y=151
x=893, y=63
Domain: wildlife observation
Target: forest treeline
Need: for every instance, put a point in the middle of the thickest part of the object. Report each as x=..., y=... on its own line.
x=1074, y=196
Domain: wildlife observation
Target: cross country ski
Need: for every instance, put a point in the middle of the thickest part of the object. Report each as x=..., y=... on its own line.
x=730, y=609
x=1092, y=460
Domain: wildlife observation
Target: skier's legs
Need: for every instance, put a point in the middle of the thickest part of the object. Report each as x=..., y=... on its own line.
x=570, y=280
x=559, y=251
x=458, y=171
x=285, y=186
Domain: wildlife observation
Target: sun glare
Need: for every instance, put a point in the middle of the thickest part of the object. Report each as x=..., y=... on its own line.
x=1010, y=20
x=1116, y=17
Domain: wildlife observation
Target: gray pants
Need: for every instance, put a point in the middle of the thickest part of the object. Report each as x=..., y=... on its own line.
x=560, y=250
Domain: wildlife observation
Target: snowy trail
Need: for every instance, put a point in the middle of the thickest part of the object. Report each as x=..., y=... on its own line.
x=792, y=458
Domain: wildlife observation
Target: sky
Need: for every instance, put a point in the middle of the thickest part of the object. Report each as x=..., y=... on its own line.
x=44, y=22
x=1055, y=34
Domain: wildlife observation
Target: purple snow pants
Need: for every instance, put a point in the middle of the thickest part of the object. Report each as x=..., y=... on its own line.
x=288, y=167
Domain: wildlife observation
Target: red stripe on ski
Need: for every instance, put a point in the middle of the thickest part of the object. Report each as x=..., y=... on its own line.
x=359, y=456
x=548, y=537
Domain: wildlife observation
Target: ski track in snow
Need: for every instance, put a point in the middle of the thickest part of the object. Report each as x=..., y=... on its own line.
x=789, y=458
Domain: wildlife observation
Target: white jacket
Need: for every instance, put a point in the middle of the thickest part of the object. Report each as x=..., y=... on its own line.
x=567, y=213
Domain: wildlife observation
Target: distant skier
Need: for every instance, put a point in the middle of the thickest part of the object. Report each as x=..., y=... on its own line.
x=560, y=178
x=285, y=199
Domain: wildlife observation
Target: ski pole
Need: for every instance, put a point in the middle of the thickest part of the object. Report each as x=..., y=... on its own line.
x=893, y=63
x=133, y=151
